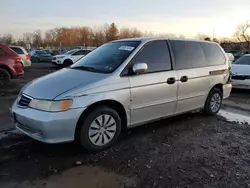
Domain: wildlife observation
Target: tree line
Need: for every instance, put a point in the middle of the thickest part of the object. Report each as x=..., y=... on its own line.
x=87, y=36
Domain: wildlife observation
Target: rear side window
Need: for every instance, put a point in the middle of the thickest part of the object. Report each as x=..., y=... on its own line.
x=213, y=53
x=156, y=56
x=2, y=52
x=17, y=50
x=188, y=54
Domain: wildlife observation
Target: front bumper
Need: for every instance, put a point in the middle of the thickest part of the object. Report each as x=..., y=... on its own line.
x=241, y=84
x=57, y=61
x=47, y=127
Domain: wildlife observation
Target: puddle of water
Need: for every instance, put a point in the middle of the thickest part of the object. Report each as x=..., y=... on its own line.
x=234, y=117
x=79, y=177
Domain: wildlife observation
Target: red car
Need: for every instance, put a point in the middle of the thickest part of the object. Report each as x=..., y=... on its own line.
x=10, y=65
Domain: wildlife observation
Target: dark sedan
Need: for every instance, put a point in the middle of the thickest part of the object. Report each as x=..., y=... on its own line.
x=40, y=56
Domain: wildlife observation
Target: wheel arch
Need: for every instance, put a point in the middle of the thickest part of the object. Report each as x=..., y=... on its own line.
x=7, y=69
x=218, y=86
x=117, y=106
x=67, y=59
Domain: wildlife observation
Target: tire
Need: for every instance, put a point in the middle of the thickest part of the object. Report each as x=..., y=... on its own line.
x=4, y=77
x=92, y=133
x=213, y=102
x=37, y=60
x=67, y=63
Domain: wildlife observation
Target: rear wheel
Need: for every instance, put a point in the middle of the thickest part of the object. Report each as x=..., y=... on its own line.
x=67, y=63
x=100, y=129
x=213, y=102
x=4, y=77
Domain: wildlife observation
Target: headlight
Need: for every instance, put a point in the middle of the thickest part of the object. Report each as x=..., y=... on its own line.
x=51, y=106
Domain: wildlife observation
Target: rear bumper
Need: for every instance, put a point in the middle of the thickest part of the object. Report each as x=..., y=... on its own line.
x=241, y=84
x=17, y=70
x=26, y=63
x=227, y=88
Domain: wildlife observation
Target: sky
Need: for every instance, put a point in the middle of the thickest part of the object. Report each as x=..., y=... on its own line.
x=186, y=17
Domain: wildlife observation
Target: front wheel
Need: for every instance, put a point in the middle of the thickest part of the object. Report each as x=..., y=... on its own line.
x=213, y=102
x=100, y=129
x=67, y=63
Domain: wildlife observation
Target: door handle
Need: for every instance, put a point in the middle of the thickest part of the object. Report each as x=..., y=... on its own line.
x=171, y=80
x=184, y=79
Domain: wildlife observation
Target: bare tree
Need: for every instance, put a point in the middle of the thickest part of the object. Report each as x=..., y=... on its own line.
x=98, y=36
x=202, y=36
x=7, y=39
x=242, y=33
x=37, y=38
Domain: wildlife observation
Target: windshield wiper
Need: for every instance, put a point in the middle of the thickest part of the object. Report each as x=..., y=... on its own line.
x=91, y=69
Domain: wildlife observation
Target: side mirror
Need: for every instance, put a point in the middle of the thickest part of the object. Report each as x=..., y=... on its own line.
x=140, y=68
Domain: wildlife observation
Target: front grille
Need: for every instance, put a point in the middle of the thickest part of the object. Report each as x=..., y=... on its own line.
x=24, y=101
x=238, y=77
x=54, y=58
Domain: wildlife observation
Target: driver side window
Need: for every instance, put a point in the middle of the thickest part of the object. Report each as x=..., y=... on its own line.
x=156, y=56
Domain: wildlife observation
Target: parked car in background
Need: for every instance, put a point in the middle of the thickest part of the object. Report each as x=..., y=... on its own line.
x=123, y=84
x=24, y=55
x=237, y=53
x=69, y=57
x=40, y=56
x=55, y=52
x=230, y=58
x=10, y=65
x=240, y=71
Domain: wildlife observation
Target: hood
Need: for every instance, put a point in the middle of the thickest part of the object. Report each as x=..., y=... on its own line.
x=238, y=69
x=54, y=84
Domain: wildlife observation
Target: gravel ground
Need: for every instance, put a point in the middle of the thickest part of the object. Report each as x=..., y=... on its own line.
x=190, y=150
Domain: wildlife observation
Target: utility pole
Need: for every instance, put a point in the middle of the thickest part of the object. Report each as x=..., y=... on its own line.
x=213, y=34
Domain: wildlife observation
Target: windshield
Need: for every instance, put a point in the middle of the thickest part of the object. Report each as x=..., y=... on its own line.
x=41, y=52
x=108, y=57
x=245, y=60
x=69, y=52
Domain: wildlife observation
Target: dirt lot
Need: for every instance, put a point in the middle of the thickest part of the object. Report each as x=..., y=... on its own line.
x=186, y=151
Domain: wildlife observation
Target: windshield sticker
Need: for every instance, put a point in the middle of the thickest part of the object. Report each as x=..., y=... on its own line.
x=127, y=48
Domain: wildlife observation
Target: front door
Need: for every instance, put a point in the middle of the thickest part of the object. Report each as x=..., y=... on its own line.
x=77, y=55
x=154, y=93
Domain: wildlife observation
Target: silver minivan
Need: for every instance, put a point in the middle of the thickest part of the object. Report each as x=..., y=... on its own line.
x=123, y=84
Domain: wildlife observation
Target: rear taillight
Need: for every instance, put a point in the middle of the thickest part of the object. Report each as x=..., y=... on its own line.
x=17, y=59
x=27, y=56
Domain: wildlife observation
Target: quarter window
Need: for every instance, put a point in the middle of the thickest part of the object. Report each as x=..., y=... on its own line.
x=188, y=54
x=213, y=53
x=156, y=56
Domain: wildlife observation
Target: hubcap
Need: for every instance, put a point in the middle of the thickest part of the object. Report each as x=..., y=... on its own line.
x=215, y=102
x=102, y=130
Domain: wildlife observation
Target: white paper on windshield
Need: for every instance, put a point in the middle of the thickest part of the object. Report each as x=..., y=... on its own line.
x=127, y=48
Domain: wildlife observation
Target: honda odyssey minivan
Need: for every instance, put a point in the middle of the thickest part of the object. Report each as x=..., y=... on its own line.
x=123, y=84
